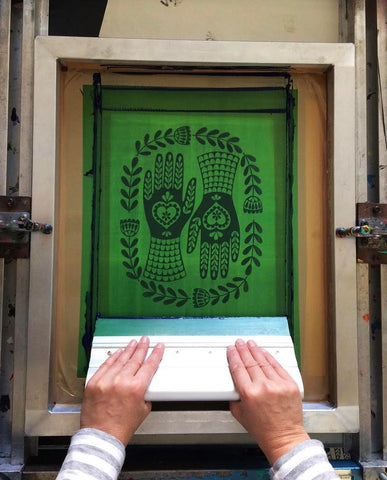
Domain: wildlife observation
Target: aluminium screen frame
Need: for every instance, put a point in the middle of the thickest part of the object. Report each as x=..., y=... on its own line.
x=339, y=62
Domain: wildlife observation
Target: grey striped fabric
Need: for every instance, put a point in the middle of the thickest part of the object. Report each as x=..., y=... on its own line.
x=93, y=454
x=96, y=455
x=306, y=461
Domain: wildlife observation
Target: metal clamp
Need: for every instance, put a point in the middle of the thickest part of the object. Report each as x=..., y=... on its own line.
x=16, y=227
x=371, y=233
x=26, y=224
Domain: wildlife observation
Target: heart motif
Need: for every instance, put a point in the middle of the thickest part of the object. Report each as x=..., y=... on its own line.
x=216, y=218
x=165, y=213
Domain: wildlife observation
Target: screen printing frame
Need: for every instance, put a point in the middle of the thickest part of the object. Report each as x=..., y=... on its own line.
x=51, y=54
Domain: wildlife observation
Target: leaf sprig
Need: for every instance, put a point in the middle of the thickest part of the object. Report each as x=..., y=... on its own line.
x=159, y=140
x=166, y=295
x=252, y=251
x=130, y=252
x=130, y=180
x=252, y=180
x=215, y=138
x=225, y=292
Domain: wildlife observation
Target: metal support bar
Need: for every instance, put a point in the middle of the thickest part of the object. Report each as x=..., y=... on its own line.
x=362, y=270
x=346, y=21
x=35, y=22
x=373, y=196
x=26, y=98
x=5, y=27
x=370, y=345
x=41, y=17
x=382, y=68
x=27, y=19
x=363, y=300
x=12, y=158
x=363, y=329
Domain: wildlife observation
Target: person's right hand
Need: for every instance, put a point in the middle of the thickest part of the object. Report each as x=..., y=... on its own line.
x=270, y=405
x=114, y=397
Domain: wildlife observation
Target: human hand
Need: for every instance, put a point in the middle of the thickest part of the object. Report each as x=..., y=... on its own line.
x=270, y=405
x=114, y=396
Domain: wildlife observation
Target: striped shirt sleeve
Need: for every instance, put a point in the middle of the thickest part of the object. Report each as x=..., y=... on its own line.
x=306, y=461
x=92, y=455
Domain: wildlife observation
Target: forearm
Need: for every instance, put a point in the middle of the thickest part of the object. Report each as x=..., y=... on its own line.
x=93, y=454
x=306, y=460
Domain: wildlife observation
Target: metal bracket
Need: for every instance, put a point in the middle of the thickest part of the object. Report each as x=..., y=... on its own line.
x=16, y=227
x=374, y=470
x=371, y=233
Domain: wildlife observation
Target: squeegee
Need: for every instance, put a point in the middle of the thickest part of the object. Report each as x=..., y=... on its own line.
x=194, y=366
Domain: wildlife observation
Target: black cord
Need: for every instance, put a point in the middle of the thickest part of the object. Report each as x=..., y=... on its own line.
x=381, y=101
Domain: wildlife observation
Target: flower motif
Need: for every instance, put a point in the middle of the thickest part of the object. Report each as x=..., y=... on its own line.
x=216, y=235
x=182, y=135
x=253, y=204
x=129, y=227
x=200, y=297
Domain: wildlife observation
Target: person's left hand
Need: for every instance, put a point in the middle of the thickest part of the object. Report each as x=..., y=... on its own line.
x=114, y=397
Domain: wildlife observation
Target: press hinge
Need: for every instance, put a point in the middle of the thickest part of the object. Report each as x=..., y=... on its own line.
x=16, y=227
x=370, y=233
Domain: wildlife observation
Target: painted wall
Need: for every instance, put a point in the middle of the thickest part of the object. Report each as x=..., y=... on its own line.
x=242, y=20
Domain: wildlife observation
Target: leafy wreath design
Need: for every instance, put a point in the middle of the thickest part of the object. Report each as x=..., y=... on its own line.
x=129, y=227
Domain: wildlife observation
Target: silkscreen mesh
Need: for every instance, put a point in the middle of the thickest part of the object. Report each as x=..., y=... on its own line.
x=190, y=188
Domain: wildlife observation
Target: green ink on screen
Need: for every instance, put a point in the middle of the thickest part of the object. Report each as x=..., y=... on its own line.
x=192, y=192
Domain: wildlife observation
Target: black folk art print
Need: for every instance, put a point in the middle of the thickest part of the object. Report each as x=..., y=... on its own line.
x=192, y=210
x=162, y=195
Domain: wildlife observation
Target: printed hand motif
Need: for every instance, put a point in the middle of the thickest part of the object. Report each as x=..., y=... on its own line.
x=167, y=213
x=216, y=218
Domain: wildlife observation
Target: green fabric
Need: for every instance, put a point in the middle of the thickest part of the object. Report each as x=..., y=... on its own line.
x=193, y=204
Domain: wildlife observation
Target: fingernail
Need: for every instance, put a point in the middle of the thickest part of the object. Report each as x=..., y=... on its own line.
x=251, y=343
x=159, y=345
x=132, y=343
x=143, y=339
x=239, y=342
